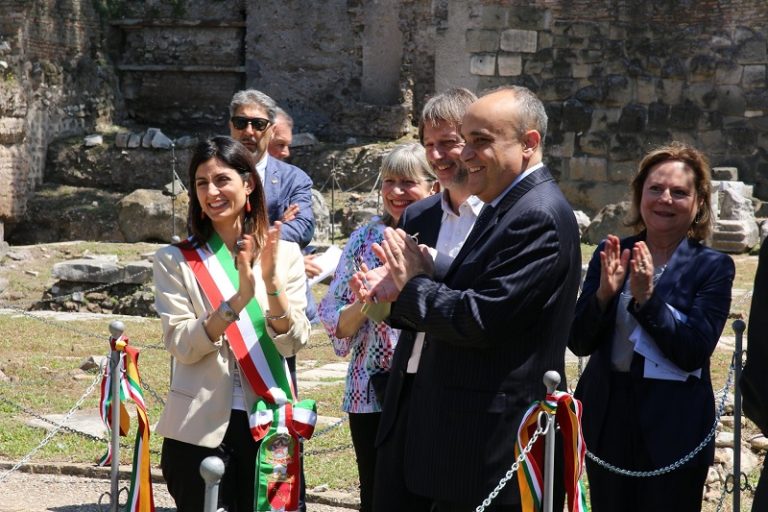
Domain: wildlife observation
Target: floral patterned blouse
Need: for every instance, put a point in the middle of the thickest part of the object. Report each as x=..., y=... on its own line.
x=373, y=344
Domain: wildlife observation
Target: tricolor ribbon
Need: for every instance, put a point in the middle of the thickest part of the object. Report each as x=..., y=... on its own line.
x=567, y=411
x=140, y=498
x=276, y=420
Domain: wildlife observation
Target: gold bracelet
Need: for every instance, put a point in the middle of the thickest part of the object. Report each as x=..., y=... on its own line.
x=270, y=317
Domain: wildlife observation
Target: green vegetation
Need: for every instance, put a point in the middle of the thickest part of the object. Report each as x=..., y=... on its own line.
x=41, y=357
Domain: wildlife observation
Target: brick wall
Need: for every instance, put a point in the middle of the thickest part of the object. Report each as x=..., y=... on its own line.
x=619, y=77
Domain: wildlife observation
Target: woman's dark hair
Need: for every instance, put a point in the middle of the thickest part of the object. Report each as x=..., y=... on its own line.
x=702, y=183
x=236, y=156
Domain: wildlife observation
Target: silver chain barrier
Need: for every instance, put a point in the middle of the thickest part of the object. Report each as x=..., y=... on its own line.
x=55, y=430
x=677, y=464
x=516, y=465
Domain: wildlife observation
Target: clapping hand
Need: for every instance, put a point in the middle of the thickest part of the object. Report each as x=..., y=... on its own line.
x=613, y=270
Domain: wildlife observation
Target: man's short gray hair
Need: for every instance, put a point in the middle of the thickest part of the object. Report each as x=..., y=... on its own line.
x=279, y=112
x=253, y=97
x=532, y=114
x=449, y=106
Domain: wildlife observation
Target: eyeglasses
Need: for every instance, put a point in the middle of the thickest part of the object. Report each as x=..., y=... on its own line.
x=258, y=123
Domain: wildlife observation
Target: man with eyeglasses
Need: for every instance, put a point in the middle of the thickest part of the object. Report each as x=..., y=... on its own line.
x=287, y=189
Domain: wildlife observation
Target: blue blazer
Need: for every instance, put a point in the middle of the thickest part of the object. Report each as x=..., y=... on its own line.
x=674, y=416
x=286, y=184
x=494, y=325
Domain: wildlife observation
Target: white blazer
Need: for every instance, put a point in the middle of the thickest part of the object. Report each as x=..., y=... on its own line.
x=199, y=402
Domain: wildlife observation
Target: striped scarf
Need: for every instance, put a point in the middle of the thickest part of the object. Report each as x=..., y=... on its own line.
x=140, y=498
x=567, y=411
x=277, y=420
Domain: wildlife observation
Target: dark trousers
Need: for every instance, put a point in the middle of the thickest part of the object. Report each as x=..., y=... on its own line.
x=623, y=445
x=390, y=490
x=760, y=503
x=180, y=463
x=363, y=428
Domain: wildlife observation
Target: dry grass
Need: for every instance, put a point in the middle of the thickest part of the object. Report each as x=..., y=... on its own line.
x=41, y=358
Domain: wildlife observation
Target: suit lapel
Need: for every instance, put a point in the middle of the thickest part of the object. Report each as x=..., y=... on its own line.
x=272, y=189
x=507, y=202
x=677, y=267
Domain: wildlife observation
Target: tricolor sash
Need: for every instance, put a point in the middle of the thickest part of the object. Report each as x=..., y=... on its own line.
x=140, y=497
x=567, y=411
x=273, y=419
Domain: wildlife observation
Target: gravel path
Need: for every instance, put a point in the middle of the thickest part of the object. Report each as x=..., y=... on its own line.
x=38, y=492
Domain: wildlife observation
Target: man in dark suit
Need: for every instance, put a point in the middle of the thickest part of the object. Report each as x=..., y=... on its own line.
x=443, y=222
x=498, y=319
x=754, y=380
x=287, y=189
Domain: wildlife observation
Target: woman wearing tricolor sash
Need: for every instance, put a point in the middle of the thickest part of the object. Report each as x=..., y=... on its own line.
x=231, y=299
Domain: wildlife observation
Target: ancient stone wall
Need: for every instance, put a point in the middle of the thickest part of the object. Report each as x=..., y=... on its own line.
x=620, y=76
x=54, y=81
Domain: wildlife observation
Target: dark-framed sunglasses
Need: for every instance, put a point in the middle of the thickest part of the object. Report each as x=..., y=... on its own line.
x=258, y=123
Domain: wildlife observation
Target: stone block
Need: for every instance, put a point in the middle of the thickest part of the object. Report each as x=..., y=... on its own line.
x=577, y=116
x=88, y=271
x=617, y=90
x=562, y=148
x=609, y=220
x=479, y=40
x=702, y=68
x=515, y=40
x=93, y=140
x=138, y=272
x=510, y=64
x=581, y=70
x=11, y=130
x=658, y=115
x=588, y=169
x=724, y=173
x=684, y=116
x=483, y=64
x=728, y=73
x=493, y=16
x=134, y=141
x=753, y=76
x=671, y=90
x=590, y=94
x=646, y=89
x=633, y=118
x=121, y=139
x=702, y=94
x=594, y=143
x=605, y=119
x=545, y=40
x=622, y=172
x=751, y=52
x=735, y=236
x=554, y=89
x=711, y=138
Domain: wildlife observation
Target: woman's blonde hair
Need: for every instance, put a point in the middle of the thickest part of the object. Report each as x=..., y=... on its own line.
x=406, y=161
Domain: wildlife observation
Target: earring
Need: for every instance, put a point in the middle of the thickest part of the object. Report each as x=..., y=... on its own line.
x=697, y=218
x=247, y=205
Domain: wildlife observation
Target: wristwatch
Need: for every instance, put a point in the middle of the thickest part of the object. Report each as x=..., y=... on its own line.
x=227, y=313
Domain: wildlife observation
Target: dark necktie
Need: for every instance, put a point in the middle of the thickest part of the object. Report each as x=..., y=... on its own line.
x=486, y=214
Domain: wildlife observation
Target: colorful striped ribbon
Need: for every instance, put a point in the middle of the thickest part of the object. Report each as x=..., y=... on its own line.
x=567, y=411
x=140, y=497
x=272, y=419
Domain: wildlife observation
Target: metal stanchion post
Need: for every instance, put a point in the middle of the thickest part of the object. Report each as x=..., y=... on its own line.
x=116, y=329
x=551, y=381
x=738, y=327
x=211, y=469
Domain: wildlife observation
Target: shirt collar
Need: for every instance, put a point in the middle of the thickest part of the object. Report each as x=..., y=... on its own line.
x=474, y=203
x=261, y=166
x=519, y=178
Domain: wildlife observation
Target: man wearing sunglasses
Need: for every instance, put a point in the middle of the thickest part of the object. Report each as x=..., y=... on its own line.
x=286, y=188
x=252, y=122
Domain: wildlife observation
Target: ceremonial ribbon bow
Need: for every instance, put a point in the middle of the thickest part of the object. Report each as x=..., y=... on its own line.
x=140, y=498
x=567, y=411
